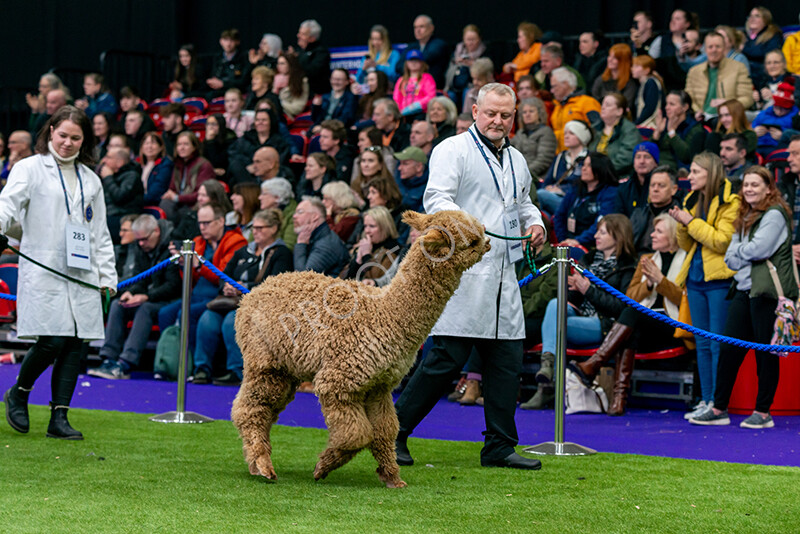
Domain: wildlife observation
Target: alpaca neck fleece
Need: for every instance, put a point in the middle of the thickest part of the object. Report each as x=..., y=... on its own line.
x=67, y=166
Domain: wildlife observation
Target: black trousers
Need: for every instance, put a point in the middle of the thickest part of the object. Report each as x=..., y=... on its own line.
x=65, y=355
x=502, y=364
x=749, y=319
x=648, y=333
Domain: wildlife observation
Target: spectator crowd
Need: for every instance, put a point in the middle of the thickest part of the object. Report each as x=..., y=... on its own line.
x=669, y=160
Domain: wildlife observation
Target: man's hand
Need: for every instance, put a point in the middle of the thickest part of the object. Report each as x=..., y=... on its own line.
x=304, y=234
x=760, y=130
x=214, y=83
x=536, y=234
x=105, y=171
x=132, y=301
x=170, y=195
x=82, y=103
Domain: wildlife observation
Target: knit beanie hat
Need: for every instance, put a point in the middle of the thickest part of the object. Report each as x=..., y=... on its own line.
x=649, y=147
x=784, y=95
x=580, y=130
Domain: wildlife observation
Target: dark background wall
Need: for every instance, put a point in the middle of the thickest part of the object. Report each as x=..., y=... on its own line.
x=38, y=35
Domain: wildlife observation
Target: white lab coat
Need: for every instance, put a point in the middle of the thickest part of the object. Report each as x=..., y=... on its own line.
x=48, y=304
x=460, y=180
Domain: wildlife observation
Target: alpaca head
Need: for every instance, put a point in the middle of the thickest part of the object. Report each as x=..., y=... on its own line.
x=450, y=238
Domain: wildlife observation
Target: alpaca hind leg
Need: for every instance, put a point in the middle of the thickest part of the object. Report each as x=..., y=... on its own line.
x=261, y=398
x=349, y=431
x=382, y=416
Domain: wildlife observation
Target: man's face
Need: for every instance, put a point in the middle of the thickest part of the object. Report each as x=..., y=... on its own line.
x=549, y=62
x=381, y=118
x=587, y=45
x=560, y=90
x=420, y=134
x=731, y=157
x=262, y=163
x=495, y=116
x=643, y=163
x=133, y=121
x=303, y=37
x=54, y=101
x=228, y=45
x=643, y=23
x=715, y=48
x=113, y=161
x=90, y=87
x=125, y=234
x=128, y=103
x=422, y=29
x=305, y=215
x=409, y=168
x=794, y=157
x=211, y=227
x=18, y=143
x=462, y=126
x=170, y=122
x=524, y=90
x=147, y=241
x=661, y=189
x=326, y=140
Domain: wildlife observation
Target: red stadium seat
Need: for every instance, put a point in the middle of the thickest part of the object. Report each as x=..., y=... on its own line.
x=7, y=307
x=665, y=354
x=217, y=105
x=155, y=211
x=195, y=102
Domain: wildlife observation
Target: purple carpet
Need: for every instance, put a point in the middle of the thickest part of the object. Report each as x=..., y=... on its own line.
x=648, y=432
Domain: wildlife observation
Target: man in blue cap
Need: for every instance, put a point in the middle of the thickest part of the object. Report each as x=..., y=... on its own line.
x=634, y=192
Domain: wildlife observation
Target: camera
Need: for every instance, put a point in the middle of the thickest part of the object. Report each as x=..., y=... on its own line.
x=635, y=25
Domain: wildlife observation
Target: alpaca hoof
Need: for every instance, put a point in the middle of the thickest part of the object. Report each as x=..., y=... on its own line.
x=396, y=484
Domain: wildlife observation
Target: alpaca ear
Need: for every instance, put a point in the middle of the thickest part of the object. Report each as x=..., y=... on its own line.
x=435, y=239
x=417, y=221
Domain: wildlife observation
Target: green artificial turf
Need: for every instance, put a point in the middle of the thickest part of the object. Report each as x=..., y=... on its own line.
x=132, y=475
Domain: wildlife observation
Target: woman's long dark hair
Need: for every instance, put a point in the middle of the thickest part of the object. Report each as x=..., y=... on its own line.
x=296, y=74
x=602, y=169
x=77, y=116
x=366, y=102
x=190, y=72
x=621, y=229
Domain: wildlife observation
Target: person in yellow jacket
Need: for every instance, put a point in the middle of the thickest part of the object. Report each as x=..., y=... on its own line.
x=791, y=50
x=705, y=231
x=571, y=105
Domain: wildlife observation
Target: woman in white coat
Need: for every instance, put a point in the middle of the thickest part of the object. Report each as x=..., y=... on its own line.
x=59, y=202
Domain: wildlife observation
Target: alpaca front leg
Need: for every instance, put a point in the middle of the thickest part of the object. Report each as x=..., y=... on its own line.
x=256, y=408
x=382, y=417
x=349, y=431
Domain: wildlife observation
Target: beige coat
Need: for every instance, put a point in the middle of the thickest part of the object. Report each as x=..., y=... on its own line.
x=733, y=82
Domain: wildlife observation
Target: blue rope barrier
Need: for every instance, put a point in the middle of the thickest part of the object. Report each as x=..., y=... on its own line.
x=677, y=324
x=7, y=296
x=144, y=274
x=223, y=276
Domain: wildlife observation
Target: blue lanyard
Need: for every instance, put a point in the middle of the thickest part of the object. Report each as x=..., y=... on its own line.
x=64, y=187
x=494, y=177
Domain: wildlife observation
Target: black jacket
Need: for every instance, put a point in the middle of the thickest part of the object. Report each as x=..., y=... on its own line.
x=608, y=306
x=124, y=191
x=316, y=63
x=787, y=185
x=233, y=72
x=163, y=285
x=325, y=253
x=344, y=162
x=243, y=266
x=642, y=222
x=400, y=139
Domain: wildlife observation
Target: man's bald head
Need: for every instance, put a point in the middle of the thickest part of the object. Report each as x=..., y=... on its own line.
x=55, y=100
x=116, y=158
x=266, y=162
x=21, y=142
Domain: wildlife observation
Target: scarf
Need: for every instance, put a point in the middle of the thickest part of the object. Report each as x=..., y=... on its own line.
x=601, y=268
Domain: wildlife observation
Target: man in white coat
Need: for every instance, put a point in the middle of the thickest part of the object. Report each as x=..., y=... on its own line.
x=479, y=172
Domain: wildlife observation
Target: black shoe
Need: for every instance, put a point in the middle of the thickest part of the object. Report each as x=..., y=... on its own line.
x=59, y=427
x=575, y=368
x=515, y=461
x=200, y=377
x=403, y=455
x=228, y=379
x=16, y=411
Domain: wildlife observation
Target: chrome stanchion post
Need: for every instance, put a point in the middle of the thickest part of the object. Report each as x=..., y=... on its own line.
x=558, y=447
x=181, y=415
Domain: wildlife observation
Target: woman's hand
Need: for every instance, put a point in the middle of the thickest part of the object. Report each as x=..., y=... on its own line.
x=509, y=67
x=579, y=283
x=170, y=195
x=230, y=291
x=570, y=243
x=255, y=55
x=682, y=216
x=651, y=271
x=766, y=94
x=364, y=249
x=554, y=189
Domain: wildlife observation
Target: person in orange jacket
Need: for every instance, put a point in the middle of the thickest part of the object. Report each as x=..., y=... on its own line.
x=216, y=245
x=571, y=105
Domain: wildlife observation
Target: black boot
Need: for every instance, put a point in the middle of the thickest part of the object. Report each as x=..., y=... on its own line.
x=59, y=427
x=16, y=400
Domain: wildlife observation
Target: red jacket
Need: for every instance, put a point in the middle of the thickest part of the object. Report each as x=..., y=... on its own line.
x=231, y=241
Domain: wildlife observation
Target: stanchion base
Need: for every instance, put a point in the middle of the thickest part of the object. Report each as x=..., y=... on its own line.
x=181, y=417
x=554, y=448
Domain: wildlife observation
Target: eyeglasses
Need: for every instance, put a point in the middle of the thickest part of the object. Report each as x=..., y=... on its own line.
x=206, y=223
x=375, y=149
x=261, y=227
x=141, y=239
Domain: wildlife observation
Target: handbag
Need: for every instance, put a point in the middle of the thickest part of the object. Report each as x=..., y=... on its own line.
x=685, y=317
x=786, y=330
x=579, y=398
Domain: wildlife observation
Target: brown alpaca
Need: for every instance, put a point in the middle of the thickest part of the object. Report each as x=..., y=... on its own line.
x=355, y=342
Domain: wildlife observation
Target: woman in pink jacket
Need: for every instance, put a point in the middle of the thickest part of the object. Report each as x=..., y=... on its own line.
x=416, y=88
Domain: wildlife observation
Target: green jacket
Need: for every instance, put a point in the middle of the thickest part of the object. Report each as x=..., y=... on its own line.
x=762, y=283
x=620, y=147
x=541, y=290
